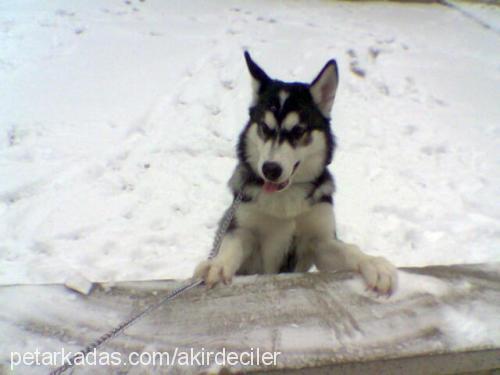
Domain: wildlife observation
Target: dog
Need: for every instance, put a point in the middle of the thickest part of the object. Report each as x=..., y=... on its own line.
x=285, y=221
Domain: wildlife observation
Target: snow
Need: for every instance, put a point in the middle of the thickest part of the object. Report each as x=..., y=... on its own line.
x=483, y=14
x=79, y=284
x=119, y=122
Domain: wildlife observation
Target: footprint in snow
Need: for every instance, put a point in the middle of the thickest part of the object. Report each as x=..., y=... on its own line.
x=354, y=64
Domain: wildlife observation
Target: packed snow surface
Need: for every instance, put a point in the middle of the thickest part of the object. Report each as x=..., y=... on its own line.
x=119, y=120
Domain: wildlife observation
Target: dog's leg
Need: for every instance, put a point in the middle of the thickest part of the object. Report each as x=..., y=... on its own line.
x=330, y=254
x=379, y=274
x=234, y=249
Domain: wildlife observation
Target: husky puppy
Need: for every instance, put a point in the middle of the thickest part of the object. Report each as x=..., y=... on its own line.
x=285, y=222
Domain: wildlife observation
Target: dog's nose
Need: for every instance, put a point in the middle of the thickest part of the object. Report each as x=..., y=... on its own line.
x=271, y=170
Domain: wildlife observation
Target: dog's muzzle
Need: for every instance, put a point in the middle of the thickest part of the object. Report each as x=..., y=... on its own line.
x=273, y=171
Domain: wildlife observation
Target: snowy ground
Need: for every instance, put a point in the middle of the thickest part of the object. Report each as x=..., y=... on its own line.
x=119, y=121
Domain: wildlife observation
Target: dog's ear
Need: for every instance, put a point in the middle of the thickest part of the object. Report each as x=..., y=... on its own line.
x=324, y=87
x=259, y=77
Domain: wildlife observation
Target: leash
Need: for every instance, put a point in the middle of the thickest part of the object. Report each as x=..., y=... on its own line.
x=221, y=231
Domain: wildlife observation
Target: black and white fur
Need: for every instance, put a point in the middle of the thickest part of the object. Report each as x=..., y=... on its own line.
x=286, y=221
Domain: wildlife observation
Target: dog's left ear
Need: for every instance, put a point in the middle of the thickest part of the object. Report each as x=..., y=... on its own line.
x=259, y=77
x=324, y=87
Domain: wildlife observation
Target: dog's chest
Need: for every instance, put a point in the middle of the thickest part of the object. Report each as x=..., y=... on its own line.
x=285, y=205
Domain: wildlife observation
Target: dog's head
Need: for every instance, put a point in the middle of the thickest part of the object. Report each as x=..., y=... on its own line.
x=288, y=137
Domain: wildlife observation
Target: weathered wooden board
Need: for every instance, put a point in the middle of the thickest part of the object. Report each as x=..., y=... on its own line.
x=441, y=320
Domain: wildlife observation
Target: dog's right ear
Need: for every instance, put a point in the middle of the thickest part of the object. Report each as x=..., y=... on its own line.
x=259, y=77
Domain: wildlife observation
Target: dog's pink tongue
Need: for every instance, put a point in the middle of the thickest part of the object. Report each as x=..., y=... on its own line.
x=269, y=187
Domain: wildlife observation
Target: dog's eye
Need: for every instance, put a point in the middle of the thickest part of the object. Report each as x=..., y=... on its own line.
x=266, y=130
x=297, y=132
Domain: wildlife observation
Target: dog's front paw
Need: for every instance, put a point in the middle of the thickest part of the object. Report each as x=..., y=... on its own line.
x=379, y=274
x=212, y=272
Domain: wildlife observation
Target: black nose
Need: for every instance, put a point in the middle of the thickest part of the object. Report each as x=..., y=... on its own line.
x=271, y=170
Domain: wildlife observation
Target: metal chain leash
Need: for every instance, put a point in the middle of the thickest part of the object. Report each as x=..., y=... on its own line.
x=224, y=225
x=221, y=231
